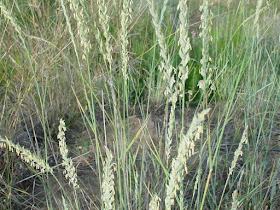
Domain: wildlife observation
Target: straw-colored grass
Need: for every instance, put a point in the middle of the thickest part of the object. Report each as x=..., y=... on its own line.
x=128, y=78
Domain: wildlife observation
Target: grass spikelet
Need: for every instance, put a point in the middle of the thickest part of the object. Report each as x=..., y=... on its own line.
x=159, y=34
x=184, y=43
x=171, y=122
x=98, y=37
x=206, y=39
x=238, y=152
x=104, y=20
x=77, y=8
x=186, y=149
x=108, y=191
x=25, y=155
x=125, y=18
x=70, y=172
x=154, y=203
x=136, y=185
x=166, y=66
x=235, y=203
x=185, y=47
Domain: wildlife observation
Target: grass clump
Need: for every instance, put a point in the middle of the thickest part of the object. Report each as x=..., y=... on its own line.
x=132, y=77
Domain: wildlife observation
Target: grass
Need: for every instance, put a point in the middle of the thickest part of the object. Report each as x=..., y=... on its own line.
x=139, y=104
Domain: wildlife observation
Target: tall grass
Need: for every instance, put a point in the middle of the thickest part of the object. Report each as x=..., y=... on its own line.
x=127, y=78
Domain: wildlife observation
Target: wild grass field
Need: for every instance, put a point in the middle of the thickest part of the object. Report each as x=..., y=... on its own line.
x=144, y=104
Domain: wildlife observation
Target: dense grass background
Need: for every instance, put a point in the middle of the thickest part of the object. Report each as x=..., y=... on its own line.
x=100, y=66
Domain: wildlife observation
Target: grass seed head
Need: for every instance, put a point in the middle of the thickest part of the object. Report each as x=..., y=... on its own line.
x=25, y=155
x=108, y=184
x=186, y=150
x=70, y=171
